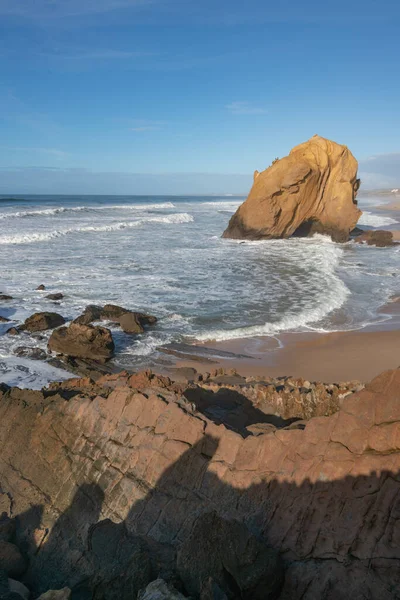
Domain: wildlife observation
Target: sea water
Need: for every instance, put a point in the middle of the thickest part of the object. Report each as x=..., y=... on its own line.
x=165, y=256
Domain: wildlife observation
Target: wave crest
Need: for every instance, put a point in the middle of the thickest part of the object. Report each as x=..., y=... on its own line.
x=28, y=238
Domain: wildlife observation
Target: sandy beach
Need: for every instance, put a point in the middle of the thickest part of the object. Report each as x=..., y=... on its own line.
x=331, y=357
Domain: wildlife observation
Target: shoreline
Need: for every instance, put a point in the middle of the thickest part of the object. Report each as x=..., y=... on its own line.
x=337, y=356
x=326, y=357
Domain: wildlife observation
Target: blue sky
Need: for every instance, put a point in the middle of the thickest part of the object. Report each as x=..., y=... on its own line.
x=184, y=96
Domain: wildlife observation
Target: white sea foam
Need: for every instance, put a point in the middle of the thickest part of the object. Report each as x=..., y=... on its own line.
x=30, y=237
x=373, y=220
x=333, y=295
x=46, y=212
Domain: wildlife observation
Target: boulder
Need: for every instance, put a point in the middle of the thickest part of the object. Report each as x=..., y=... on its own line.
x=4, y=320
x=56, y=296
x=42, y=321
x=312, y=190
x=83, y=341
x=11, y=559
x=129, y=321
x=16, y=587
x=378, y=237
x=5, y=297
x=41, y=287
x=160, y=590
x=242, y=565
x=13, y=331
x=90, y=314
x=64, y=594
x=32, y=353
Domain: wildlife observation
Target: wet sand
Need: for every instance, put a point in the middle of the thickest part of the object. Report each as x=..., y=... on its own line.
x=332, y=357
x=328, y=357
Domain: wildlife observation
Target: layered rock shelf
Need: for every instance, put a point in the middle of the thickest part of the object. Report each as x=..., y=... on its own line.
x=129, y=487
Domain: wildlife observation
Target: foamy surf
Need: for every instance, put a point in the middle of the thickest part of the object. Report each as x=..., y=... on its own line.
x=372, y=220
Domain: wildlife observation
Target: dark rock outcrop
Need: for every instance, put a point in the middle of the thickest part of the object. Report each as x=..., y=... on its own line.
x=32, y=353
x=129, y=320
x=42, y=321
x=83, y=341
x=312, y=190
x=378, y=237
x=11, y=560
x=56, y=296
x=5, y=297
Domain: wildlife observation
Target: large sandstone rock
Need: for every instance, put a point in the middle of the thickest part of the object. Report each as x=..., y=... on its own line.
x=83, y=341
x=312, y=190
x=42, y=321
x=133, y=452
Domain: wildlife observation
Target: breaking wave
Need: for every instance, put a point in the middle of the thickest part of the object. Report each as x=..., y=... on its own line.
x=28, y=238
x=45, y=212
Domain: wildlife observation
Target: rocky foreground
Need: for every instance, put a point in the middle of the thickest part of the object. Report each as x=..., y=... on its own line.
x=135, y=486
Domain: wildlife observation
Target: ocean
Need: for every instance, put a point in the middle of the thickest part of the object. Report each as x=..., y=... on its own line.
x=165, y=256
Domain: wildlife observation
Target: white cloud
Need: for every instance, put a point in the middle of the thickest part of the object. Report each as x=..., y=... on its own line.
x=245, y=108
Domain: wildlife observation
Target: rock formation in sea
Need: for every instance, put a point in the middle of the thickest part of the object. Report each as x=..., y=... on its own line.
x=129, y=487
x=312, y=190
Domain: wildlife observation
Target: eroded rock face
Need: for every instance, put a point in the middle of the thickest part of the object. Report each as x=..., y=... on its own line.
x=312, y=190
x=83, y=341
x=128, y=459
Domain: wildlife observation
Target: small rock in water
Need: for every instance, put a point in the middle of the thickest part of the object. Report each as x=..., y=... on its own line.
x=41, y=287
x=4, y=320
x=5, y=297
x=56, y=296
x=32, y=353
x=13, y=331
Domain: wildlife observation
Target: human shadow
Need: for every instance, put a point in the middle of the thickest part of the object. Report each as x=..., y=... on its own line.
x=232, y=409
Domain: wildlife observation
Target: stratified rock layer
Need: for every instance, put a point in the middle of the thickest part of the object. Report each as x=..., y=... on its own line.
x=312, y=190
x=135, y=451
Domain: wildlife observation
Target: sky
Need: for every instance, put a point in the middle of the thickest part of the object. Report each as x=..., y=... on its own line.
x=191, y=96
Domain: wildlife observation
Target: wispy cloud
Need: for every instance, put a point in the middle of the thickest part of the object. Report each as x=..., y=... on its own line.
x=56, y=153
x=245, y=108
x=96, y=55
x=143, y=125
x=64, y=8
